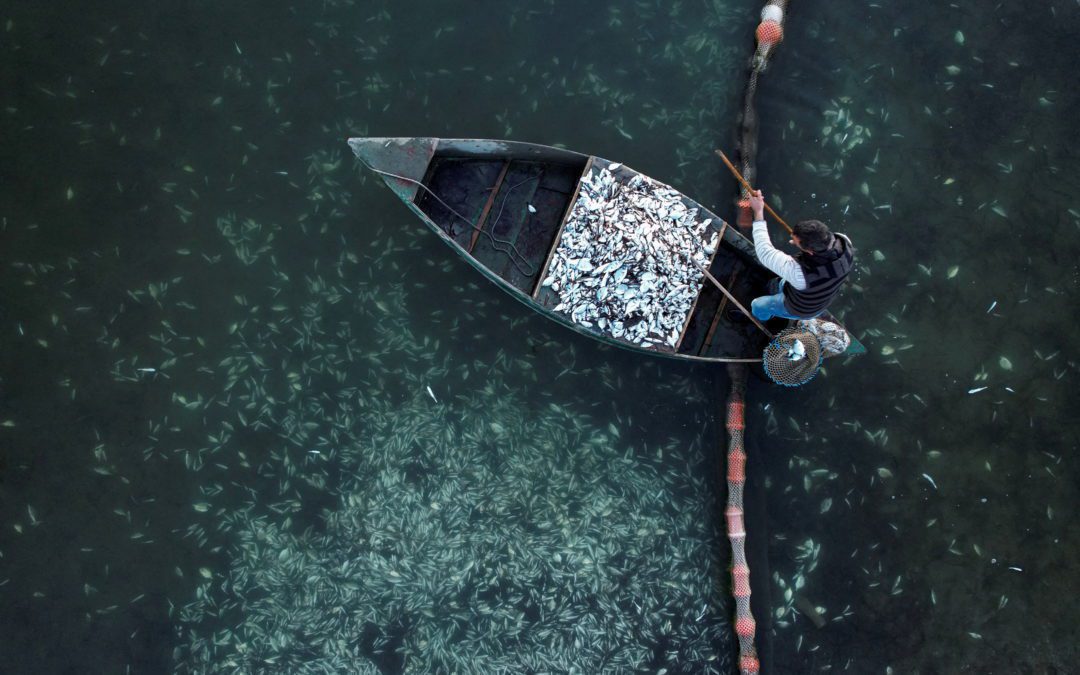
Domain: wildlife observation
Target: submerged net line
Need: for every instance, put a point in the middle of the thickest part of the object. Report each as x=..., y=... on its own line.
x=769, y=33
x=483, y=532
x=733, y=515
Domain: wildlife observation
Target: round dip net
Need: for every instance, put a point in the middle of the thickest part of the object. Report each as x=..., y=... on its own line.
x=793, y=357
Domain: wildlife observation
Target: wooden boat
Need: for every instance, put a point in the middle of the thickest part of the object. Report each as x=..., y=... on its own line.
x=446, y=181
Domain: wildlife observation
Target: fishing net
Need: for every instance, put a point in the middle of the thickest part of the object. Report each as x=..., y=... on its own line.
x=793, y=357
x=745, y=625
x=832, y=336
x=769, y=33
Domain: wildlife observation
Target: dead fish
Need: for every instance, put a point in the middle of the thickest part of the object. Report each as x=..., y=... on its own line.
x=810, y=610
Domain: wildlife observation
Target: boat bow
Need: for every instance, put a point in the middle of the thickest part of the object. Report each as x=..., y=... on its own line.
x=406, y=157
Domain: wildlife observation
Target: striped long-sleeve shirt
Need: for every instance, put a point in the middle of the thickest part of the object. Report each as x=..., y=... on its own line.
x=785, y=266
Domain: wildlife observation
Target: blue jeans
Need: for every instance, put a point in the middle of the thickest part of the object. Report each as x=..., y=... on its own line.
x=769, y=306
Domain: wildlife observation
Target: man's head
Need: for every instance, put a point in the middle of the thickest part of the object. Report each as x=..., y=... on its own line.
x=812, y=236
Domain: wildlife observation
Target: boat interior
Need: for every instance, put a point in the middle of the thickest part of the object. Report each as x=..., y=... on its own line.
x=515, y=205
x=496, y=193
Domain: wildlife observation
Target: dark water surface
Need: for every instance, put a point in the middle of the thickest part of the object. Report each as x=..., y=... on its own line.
x=281, y=492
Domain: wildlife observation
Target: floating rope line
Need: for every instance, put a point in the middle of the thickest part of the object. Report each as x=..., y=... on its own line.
x=733, y=514
x=769, y=33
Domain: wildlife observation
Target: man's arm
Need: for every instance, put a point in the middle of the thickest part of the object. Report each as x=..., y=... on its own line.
x=768, y=255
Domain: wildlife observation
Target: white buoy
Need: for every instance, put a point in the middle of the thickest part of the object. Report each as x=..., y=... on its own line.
x=772, y=13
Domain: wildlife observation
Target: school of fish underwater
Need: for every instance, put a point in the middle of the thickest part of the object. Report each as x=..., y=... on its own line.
x=255, y=417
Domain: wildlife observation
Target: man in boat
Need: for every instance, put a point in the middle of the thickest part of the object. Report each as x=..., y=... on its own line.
x=810, y=280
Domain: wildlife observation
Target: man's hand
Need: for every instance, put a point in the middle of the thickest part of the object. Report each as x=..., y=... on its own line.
x=757, y=204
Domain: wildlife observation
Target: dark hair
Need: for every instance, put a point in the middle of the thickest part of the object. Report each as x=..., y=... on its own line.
x=813, y=234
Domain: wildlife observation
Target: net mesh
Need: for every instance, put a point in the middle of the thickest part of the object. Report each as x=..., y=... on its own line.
x=793, y=357
x=833, y=338
x=733, y=513
x=747, y=140
x=748, y=120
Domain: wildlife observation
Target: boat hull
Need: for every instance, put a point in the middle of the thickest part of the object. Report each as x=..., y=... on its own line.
x=502, y=206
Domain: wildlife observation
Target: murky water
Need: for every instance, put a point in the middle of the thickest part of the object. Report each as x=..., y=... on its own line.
x=219, y=447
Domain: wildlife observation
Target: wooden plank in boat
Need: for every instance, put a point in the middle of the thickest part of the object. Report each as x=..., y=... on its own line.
x=745, y=337
x=463, y=185
x=718, y=314
x=546, y=299
x=709, y=303
x=487, y=206
x=705, y=282
x=533, y=239
x=509, y=215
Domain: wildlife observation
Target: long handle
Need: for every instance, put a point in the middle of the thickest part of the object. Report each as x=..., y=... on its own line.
x=738, y=304
x=750, y=189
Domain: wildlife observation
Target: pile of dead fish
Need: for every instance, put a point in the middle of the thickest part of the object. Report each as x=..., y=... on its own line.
x=630, y=257
x=471, y=536
x=382, y=504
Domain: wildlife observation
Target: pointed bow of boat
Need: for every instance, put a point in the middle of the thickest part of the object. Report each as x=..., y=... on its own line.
x=404, y=157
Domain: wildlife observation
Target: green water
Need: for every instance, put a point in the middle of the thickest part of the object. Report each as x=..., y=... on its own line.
x=282, y=493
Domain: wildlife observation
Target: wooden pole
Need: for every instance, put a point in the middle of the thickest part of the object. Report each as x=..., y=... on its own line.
x=750, y=189
x=738, y=304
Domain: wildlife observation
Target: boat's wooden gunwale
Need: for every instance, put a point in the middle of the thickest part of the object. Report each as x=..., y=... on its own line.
x=477, y=148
